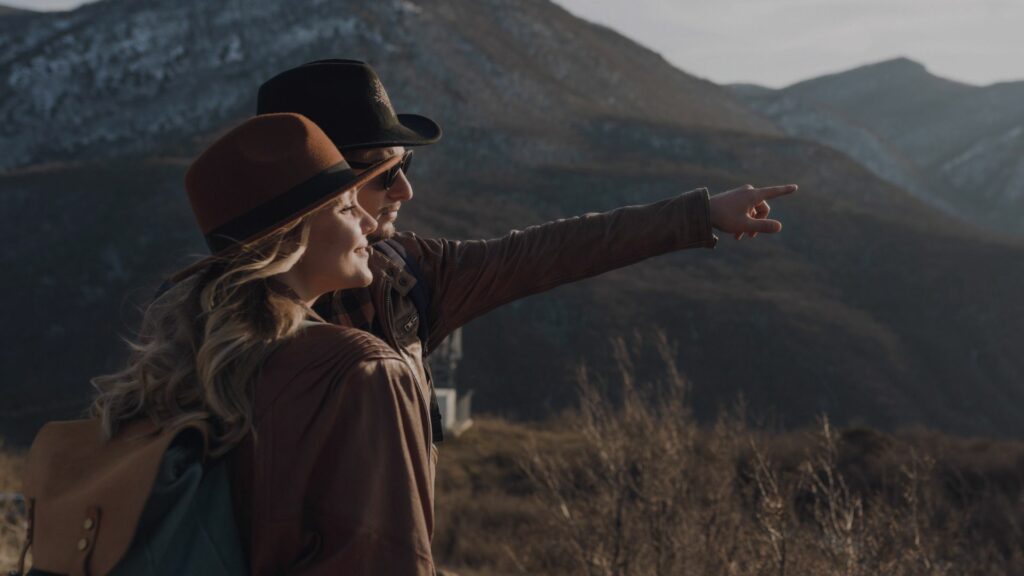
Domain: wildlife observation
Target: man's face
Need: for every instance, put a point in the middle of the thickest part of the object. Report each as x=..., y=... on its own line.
x=380, y=203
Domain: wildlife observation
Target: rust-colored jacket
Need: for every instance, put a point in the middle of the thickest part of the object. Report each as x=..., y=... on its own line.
x=338, y=478
x=469, y=278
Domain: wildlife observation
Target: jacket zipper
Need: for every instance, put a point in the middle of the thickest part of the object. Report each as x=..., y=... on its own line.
x=386, y=317
x=393, y=342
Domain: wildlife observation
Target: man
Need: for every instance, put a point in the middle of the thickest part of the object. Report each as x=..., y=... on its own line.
x=424, y=289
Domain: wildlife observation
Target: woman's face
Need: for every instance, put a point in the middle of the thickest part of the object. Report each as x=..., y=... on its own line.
x=337, y=254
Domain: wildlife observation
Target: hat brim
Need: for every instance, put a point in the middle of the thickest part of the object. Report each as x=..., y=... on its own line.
x=357, y=181
x=411, y=130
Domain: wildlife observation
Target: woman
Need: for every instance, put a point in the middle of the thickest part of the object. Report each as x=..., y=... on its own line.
x=325, y=429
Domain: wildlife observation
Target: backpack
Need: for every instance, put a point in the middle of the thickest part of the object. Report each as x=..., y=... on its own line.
x=186, y=525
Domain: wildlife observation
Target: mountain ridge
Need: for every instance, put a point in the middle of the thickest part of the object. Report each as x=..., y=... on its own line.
x=6, y=10
x=154, y=66
x=956, y=146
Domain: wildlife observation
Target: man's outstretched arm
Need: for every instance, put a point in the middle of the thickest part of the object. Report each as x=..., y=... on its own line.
x=470, y=278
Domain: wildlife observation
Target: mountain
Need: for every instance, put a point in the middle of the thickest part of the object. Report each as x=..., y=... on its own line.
x=11, y=10
x=956, y=146
x=185, y=68
x=872, y=305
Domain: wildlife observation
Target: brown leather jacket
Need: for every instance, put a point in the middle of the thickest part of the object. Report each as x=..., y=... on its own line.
x=338, y=477
x=341, y=477
x=469, y=278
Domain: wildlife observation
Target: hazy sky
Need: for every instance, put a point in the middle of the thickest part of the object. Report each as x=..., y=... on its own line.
x=777, y=42
x=43, y=4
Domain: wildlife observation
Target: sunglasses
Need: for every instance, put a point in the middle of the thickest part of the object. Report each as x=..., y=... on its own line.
x=392, y=174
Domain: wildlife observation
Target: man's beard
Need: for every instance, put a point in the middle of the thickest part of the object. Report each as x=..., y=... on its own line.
x=383, y=232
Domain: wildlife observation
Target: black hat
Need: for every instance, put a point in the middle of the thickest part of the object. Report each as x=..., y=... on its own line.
x=346, y=99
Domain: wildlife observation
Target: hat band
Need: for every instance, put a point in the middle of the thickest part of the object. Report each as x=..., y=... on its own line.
x=283, y=208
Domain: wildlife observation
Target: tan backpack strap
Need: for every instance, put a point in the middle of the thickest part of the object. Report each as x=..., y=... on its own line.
x=28, y=536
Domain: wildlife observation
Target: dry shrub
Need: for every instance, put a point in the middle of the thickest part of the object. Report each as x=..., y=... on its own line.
x=649, y=491
x=12, y=511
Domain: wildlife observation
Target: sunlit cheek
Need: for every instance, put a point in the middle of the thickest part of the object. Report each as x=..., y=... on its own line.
x=371, y=200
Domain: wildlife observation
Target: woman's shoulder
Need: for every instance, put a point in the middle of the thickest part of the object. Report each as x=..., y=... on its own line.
x=323, y=355
x=322, y=342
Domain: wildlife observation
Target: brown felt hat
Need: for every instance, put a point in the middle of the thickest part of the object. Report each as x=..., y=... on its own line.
x=263, y=174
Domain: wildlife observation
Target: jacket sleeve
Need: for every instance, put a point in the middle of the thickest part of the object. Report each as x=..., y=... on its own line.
x=361, y=446
x=372, y=489
x=470, y=278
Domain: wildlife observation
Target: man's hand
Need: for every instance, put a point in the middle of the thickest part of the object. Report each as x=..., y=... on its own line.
x=745, y=210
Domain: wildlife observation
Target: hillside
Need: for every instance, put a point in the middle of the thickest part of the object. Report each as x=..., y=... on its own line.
x=11, y=10
x=871, y=305
x=186, y=69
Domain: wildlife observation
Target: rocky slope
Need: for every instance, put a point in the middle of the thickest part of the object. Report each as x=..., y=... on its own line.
x=187, y=68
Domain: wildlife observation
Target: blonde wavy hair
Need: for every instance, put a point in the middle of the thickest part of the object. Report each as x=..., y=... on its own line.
x=202, y=343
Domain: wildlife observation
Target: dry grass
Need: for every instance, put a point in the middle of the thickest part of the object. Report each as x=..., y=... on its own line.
x=12, y=514
x=629, y=484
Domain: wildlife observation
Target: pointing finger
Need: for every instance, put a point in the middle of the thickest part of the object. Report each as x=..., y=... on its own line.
x=774, y=191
